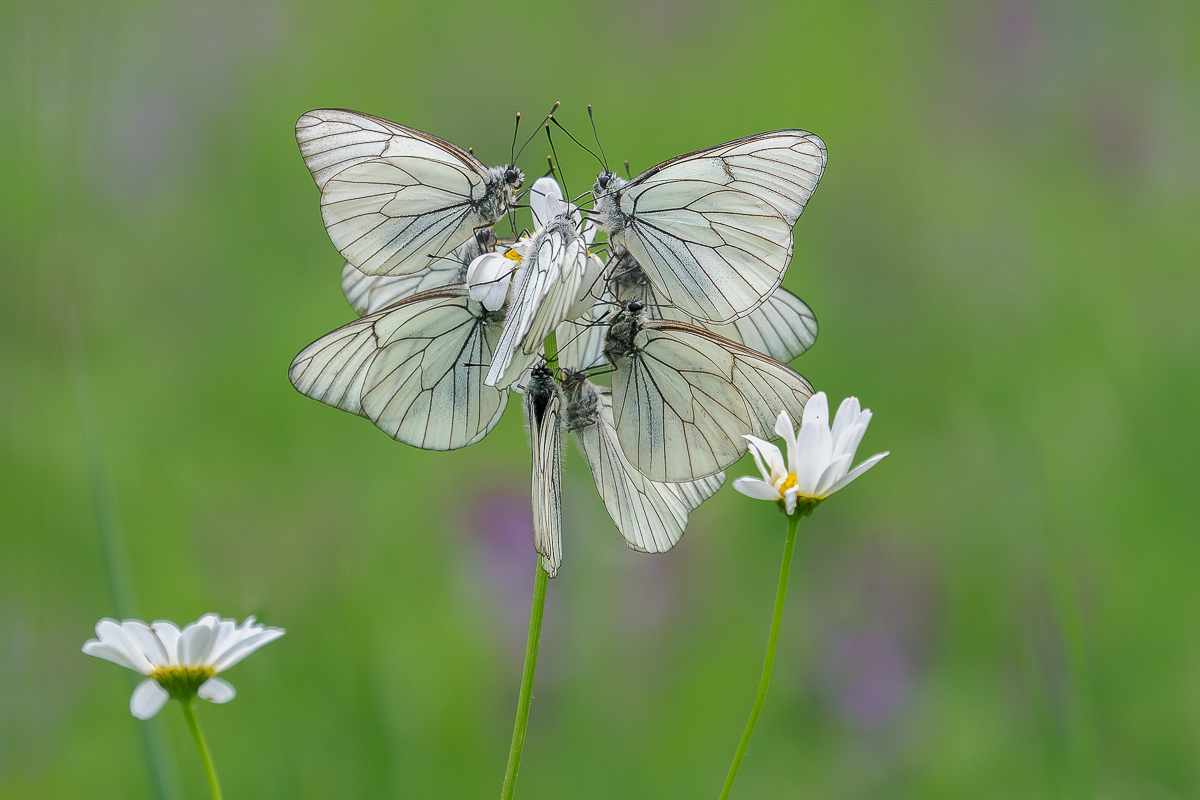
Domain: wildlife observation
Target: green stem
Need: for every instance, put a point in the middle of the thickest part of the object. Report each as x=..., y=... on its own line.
x=780, y=595
x=531, y=654
x=189, y=714
x=550, y=347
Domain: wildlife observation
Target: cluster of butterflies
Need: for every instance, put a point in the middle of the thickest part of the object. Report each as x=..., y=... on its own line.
x=685, y=312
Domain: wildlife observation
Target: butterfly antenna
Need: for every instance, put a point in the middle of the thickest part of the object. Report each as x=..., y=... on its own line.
x=576, y=141
x=628, y=174
x=603, y=155
x=512, y=151
x=550, y=171
x=535, y=133
x=561, y=175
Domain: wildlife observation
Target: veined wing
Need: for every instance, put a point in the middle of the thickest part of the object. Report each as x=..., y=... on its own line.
x=783, y=327
x=391, y=196
x=713, y=229
x=547, y=286
x=683, y=399
x=544, y=418
x=412, y=369
x=650, y=515
x=370, y=293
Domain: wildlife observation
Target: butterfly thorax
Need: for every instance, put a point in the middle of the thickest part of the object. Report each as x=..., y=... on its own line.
x=606, y=211
x=583, y=404
x=618, y=344
x=501, y=184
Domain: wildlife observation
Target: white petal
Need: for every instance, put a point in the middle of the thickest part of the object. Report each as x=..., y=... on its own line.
x=832, y=474
x=766, y=455
x=852, y=436
x=488, y=279
x=227, y=636
x=789, y=500
x=247, y=646
x=813, y=446
x=816, y=411
x=753, y=487
x=112, y=634
x=97, y=648
x=147, y=699
x=141, y=634
x=859, y=470
x=168, y=633
x=847, y=415
x=546, y=201
x=196, y=642
x=784, y=429
x=216, y=690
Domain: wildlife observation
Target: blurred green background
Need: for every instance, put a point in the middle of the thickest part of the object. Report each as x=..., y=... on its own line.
x=1003, y=256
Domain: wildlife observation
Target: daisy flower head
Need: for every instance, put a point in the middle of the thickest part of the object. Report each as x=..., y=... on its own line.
x=179, y=664
x=818, y=456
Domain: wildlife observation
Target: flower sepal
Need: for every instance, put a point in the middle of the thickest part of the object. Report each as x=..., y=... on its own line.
x=804, y=506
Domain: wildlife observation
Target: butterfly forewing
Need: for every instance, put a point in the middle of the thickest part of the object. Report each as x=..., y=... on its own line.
x=713, y=229
x=391, y=196
x=412, y=369
x=650, y=515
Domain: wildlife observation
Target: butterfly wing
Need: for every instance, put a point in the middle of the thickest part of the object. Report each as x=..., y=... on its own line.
x=683, y=399
x=713, y=229
x=650, y=515
x=546, y=289
x=370, y=293
x=544, y=417
x=412, y=369
x=391, y=196
x=783, y=327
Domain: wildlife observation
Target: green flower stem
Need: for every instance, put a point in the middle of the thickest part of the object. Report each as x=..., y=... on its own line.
x=780, y=595
x=550, y=347
x=531, y=654
x=189, y=714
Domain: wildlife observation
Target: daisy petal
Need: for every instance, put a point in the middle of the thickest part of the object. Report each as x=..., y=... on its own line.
x=767, y=455
x=196, y=642
x=753, y=487
x=97, y=648
x=789, y=500
x=141, y=634
x=813, y=446
x=216, y=690
x=859, y=470
x=247, y=646
x=147, y=699
x=816, y=411
x=169, y=634
x=832, y=474
x=847, y=415
x=110, y=632
x=545, y=201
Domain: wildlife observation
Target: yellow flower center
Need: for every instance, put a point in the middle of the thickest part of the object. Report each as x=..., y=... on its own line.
x=787, y=483
x=513, y=254
x=182, y=682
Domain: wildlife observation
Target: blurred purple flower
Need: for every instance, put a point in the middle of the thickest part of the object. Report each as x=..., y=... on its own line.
x=876, y=609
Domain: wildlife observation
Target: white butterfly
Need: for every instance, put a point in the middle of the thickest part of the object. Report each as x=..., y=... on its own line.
x=370, y=293
x=412, y=368
x=713, y=229
x=651, y=515
x=683, y=397
x=545, y=421
x=550, y=283
x=394, y=198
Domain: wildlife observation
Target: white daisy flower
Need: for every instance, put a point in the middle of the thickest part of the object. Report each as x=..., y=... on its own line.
x=818, y=462
x=178, y=664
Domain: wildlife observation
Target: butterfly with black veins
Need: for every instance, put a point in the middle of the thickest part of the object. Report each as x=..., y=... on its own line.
x=712, y=229
x=551, y=277
x=414, y=368
x=651, y=515
x=394, y=199
x=545, y=422
x=683, y=397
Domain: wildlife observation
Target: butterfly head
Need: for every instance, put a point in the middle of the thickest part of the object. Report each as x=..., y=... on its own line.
x=618, y=344
x=606, y=211
x=513, y=177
